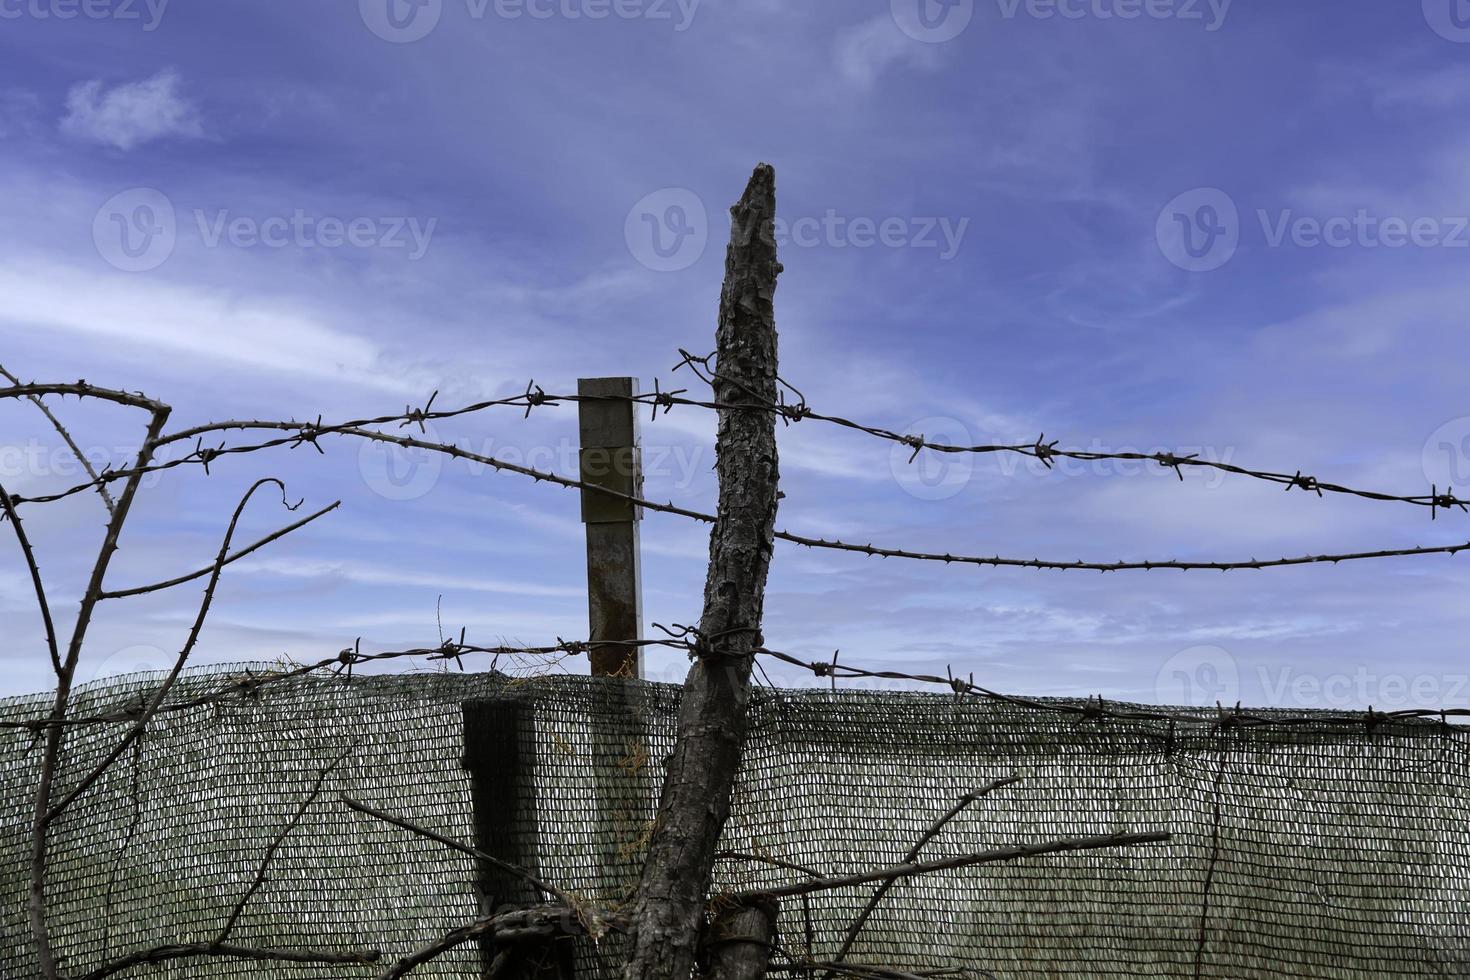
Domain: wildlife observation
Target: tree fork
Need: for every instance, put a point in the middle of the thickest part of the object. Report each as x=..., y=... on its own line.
x=670, y=902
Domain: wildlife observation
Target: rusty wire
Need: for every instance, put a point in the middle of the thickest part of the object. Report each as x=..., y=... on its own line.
x=307, y=433
x=690, y=641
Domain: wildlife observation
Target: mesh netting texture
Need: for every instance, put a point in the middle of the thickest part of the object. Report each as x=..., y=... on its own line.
x=1304, y=850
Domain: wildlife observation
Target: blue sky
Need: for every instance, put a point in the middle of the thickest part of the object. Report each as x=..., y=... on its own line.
x=1237, y=229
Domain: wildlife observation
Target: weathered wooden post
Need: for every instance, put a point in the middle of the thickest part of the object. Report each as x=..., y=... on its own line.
x=499, y=754
x=669, y=905
x=610, y=458
x=499, y=734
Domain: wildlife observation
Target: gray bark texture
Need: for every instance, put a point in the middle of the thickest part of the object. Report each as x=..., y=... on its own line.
x=669, y=907
x=738, y=945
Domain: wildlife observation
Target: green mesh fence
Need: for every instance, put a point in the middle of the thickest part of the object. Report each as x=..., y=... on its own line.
x=1304, y=850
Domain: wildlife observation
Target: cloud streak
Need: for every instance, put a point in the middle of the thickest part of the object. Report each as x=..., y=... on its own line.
x=131, y=114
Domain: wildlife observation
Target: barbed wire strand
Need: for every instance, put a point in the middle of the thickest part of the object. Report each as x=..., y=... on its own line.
x=310, y=433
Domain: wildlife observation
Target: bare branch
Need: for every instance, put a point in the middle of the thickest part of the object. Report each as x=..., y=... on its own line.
x=945, y=864
x=710, y=731
x=84, y=390
x=463, y=848
x=451, y=940
x=234, y=556
x=8, y=508
x=929, y=834
x=50, y=755
x=163, y=688
x=275, y=845
x=774, y=862
x=70, y=442
x=181, y=951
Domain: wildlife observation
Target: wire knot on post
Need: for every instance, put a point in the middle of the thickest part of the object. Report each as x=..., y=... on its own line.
x=794, y=413
x=574, y=648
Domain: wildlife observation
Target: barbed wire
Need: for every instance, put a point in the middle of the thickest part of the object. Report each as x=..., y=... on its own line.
x=690, y=641
x=309, y=433
x=1046, y=452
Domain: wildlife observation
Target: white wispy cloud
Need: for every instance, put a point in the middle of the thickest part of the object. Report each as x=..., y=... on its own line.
x=865, y=51
x=208, y=324
x=364, y=574
x=131, y=114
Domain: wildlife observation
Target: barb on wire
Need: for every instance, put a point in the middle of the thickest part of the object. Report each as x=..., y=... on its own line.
x=685, y=638
x=1098, y=710
x=1048, y=452
x=870, y=550
x=700, y=365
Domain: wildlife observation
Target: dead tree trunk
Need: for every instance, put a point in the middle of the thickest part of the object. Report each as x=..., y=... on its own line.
x=738, y=943
x=669, y=906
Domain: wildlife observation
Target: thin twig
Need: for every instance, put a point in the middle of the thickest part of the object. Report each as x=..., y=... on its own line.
x=167, y=684
x=180, y=951
x=29, y=554
x=463, y=848
x=234, y=556
x=945, y=864
x=275, y=845
x=453, y=939
x=71, y=443
x=929, y=834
